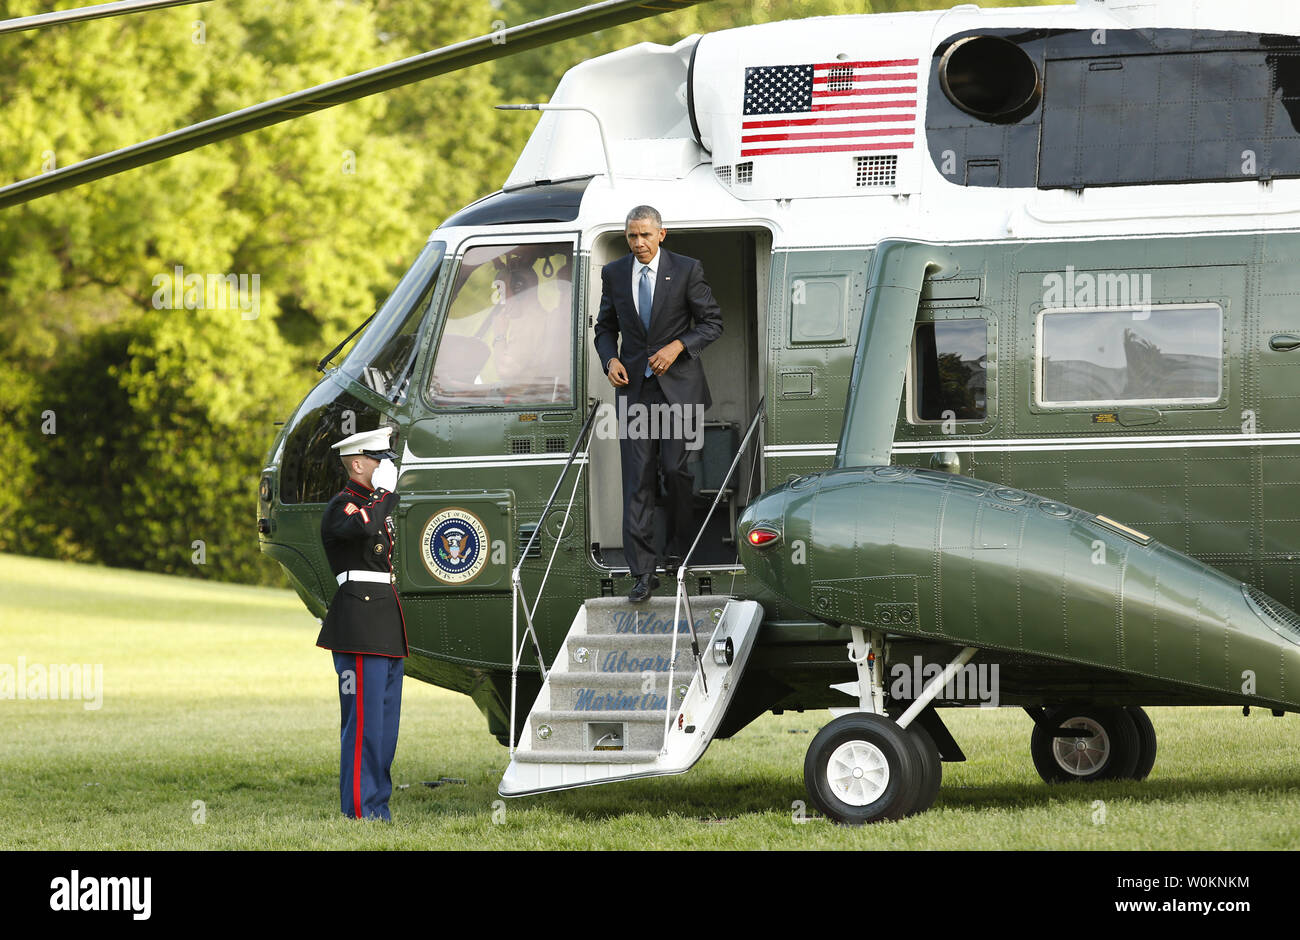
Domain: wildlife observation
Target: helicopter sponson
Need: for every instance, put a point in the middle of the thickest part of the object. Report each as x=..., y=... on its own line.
x=934, y=555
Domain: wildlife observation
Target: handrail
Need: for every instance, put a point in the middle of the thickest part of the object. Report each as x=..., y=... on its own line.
x=516, y=584
x=682, y=597
x=758, y=414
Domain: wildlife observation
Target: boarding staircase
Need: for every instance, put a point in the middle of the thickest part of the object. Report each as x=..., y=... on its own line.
x=627, y=698
x=637, y=690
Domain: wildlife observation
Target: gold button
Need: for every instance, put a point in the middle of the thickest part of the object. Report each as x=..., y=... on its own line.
x=367, y=597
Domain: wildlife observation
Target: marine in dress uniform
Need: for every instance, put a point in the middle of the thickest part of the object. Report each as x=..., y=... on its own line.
x=364, y=626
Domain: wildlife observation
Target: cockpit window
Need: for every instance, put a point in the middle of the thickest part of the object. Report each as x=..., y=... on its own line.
x=508, y=336
x=383, y=358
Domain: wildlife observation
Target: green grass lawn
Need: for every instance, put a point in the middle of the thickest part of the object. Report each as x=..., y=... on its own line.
x=216, y=693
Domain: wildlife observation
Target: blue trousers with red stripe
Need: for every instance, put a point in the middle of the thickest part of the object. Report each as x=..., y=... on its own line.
x=370, y=706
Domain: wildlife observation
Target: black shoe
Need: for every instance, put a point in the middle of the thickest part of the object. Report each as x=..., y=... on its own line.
x=641, y=590
x=672, y=563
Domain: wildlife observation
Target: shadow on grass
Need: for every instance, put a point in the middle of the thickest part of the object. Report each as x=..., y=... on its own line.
x=1161, y=790
x=757, y=794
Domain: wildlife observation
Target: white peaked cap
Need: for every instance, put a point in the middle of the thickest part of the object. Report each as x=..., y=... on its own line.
x=371, y=443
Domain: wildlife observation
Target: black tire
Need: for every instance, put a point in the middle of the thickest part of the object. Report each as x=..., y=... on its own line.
x=927, y=754
x=892, y=777
x=1110, y=755
x=1146, y=741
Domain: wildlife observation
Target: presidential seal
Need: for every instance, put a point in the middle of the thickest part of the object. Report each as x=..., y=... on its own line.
x=454, y=546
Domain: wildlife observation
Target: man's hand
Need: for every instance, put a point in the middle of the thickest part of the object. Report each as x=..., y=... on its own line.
x=617, y=374
x=665, y=357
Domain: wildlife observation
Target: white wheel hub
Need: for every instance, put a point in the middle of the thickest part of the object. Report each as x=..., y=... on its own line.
x=1083, y=755
x=858, y=773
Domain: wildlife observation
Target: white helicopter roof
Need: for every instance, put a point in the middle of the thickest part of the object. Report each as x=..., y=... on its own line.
x=683, y=125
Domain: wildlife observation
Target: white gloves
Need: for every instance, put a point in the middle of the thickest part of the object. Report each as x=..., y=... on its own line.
x=385, y=476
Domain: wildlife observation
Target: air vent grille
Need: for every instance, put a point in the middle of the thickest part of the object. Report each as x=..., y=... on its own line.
x=525, y=533
x=557, y=445
x=521, y=445
x=745, y=173
x=723, y=173
x=876, y=171
x=1282, y=620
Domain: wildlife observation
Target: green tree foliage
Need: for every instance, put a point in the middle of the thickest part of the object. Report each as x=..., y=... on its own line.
x=449, y=122
x=155, y=450
x=319, y=206
x=326, y=211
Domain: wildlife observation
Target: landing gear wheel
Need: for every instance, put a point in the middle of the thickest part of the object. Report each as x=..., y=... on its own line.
x=862, y=768
x=927, y=755
x=1109, y=753
x=1146, y=742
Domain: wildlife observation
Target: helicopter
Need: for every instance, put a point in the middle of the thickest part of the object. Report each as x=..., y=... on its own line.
x=1004, y=402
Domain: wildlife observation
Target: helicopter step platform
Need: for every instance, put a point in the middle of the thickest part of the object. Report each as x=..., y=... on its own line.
x=602, y=712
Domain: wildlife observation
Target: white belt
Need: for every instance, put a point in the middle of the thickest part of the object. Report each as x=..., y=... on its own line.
x=380, y=577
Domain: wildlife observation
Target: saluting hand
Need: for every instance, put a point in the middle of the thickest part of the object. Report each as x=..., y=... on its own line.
x=385, y=476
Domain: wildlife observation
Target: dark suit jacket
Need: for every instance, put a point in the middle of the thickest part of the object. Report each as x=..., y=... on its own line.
x=683, y=309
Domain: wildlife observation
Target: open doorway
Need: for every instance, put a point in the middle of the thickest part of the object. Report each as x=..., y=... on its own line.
x=736, y=265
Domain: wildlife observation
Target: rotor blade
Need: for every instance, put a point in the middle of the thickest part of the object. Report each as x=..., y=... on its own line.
x=451, y=58
x=78, y=14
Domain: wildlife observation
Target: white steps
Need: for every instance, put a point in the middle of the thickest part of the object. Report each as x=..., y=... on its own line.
x=602, y=712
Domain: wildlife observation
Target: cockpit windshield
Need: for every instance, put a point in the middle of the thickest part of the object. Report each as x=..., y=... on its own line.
x=383, y=358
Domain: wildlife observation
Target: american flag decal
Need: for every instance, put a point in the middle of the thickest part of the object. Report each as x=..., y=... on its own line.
x=833, y=106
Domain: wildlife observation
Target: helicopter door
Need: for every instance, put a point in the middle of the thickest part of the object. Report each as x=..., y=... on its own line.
x=496, y=418
x=817, y=304
x=736, y=263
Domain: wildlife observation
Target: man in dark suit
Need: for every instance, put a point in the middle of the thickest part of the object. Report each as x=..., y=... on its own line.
x=662, y=307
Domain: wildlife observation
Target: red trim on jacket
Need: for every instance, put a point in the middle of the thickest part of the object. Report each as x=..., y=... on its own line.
x=406, y=644
x=374, y=496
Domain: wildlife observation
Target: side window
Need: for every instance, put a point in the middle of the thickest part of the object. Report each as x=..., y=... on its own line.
x=819, y=308
x=950, y=371
x=508, y=338
x=1169, y=354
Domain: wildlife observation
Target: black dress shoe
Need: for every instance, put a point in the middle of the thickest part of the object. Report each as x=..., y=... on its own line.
x=641, y=590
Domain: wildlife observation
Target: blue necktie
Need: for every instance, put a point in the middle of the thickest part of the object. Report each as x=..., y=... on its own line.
x=644, y=301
